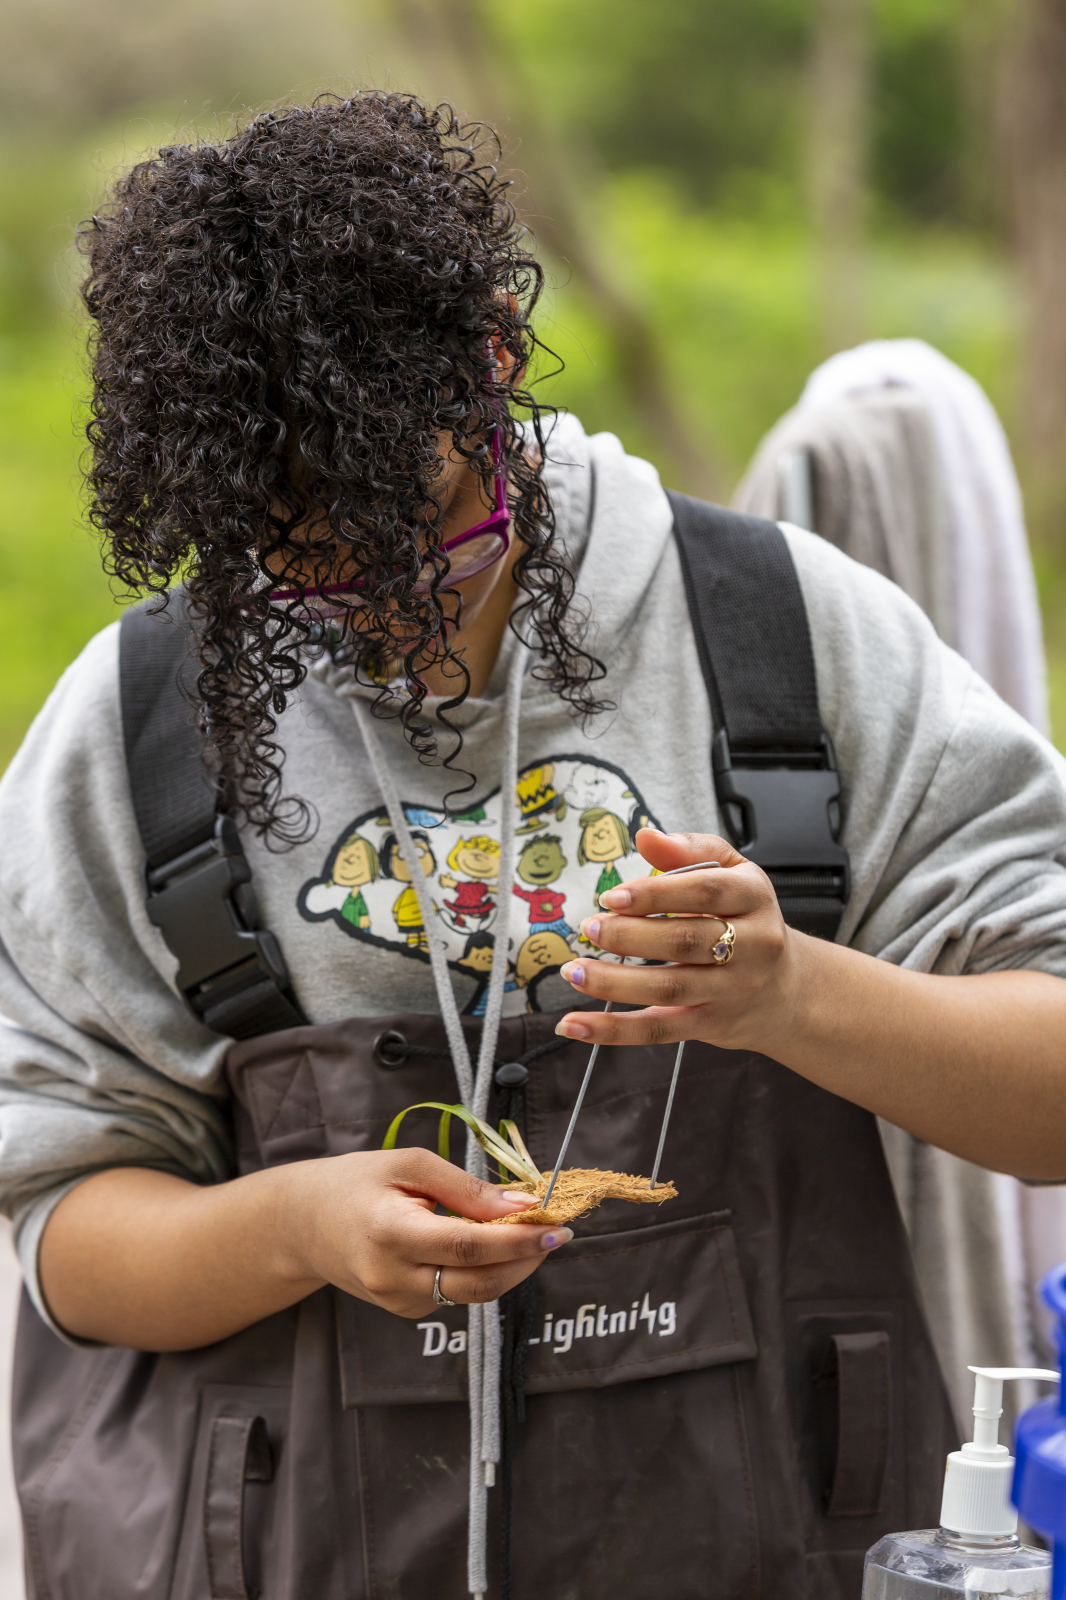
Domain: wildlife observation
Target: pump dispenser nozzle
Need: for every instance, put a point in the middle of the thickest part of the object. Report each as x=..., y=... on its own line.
x=975, y=1553
x=978, y=1479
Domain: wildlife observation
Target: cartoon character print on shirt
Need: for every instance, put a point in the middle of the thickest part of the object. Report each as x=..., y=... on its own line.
x=538, y=798
x=406, y=911
x=478, y=859
x=356, y=864
x=476, y=960
x=586, y=788
x=575, y=822
x=540, y=863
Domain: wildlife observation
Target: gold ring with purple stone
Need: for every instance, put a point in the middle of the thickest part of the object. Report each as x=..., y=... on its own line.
x=723, y=950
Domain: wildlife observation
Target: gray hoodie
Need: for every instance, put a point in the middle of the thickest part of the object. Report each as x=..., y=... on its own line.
x=955, y=817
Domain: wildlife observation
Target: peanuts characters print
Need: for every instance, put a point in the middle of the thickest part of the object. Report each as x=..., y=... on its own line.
x=576, y=826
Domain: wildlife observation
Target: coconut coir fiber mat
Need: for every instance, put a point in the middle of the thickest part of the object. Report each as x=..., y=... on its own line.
x=581, y=1189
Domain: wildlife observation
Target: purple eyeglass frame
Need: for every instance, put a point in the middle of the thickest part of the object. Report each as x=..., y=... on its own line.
x=498, y=523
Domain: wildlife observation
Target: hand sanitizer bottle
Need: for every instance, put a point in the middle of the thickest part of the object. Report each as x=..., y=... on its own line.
x=976, y=1551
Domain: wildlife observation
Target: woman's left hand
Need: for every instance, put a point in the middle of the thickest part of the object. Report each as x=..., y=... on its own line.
x=972, y=1064
x=750, y=1002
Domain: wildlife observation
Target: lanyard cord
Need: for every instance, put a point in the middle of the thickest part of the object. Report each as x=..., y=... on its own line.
x=453, y=1028
x=483, y=1321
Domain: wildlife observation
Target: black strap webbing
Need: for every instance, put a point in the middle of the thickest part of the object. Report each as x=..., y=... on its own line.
x=751, y=627
x=774, y=767
x=197, y=881
x=173, y=799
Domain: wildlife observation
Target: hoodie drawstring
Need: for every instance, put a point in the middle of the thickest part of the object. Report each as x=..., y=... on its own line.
x=483, y=1340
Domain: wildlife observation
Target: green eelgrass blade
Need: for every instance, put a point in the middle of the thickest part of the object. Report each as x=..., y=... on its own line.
x=506, y=1155
x=502, y=1169
x=511, y=1130
x=389, y=1141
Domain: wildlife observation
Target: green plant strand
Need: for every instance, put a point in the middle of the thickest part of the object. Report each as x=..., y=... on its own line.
x=510, y=1130
x=513, y=1156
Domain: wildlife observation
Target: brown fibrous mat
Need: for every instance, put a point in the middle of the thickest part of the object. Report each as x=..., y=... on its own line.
x=580, y=1189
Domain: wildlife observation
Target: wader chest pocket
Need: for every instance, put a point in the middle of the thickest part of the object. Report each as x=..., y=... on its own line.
x=612, y=1308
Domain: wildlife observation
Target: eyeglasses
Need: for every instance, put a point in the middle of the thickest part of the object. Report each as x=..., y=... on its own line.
x=468, y=554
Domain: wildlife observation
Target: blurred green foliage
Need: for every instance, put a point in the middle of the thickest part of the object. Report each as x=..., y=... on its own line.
x=733, y=305
x=689, y=125
x=715, y=93
x=53, y=595
x=711, y=92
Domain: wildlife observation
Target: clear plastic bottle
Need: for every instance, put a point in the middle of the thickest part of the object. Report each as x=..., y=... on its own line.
x=976, y=1551
x=936, y=1564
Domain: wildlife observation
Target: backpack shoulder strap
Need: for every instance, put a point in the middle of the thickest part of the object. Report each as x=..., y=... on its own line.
x=774, y=765
x=198, y=884
x=174, y=800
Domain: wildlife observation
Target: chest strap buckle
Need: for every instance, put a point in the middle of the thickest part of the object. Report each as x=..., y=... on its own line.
x=230, y=971
x=781, y=809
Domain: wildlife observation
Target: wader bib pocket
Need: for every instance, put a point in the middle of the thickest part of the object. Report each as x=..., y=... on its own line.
x=611, y=1308
x=611, y=1313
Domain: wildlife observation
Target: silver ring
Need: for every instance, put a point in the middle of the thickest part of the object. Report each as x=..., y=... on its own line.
x=723, y=950
x=440, y=1299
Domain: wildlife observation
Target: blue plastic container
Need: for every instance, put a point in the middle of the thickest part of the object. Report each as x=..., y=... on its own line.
x=1039, y=1489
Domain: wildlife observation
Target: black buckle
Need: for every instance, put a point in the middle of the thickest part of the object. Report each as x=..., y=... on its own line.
x=204, y=905
x=781, y=809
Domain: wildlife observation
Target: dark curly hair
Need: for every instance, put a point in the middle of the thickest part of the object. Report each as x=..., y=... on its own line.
x=285, y=323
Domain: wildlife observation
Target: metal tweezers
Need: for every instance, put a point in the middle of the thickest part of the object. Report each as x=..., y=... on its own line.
x=696, y=866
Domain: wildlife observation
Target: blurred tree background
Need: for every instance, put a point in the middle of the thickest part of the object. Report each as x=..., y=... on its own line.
x=723, y=192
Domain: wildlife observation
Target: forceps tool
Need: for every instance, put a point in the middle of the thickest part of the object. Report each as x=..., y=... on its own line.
x=697, y=866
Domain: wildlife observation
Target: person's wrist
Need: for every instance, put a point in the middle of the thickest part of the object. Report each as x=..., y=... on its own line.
x=294, y=1218
x=791, y=1020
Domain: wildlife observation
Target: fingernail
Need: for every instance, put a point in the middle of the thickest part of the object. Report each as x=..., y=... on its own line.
x=516, y=1199
x=573, y=972
x=591, y=928
x=616, y=899
x=558, y=1236
x=572, y=1030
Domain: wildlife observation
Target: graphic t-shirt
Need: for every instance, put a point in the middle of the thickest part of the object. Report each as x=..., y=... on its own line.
x=576, y=821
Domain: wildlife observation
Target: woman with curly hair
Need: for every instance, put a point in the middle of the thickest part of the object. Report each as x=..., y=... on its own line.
x=259, y=1353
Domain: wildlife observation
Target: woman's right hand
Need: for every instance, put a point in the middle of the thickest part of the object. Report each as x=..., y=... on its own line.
x=366, y=1222
x=137, y=1257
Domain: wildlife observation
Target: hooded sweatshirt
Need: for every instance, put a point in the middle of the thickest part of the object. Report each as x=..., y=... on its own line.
x=954, y=817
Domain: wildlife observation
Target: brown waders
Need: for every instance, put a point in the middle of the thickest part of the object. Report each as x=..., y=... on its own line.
x=733, y=1396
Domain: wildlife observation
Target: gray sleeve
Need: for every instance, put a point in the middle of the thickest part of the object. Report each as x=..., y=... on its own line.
x=101, y=1063
x=955, y=806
